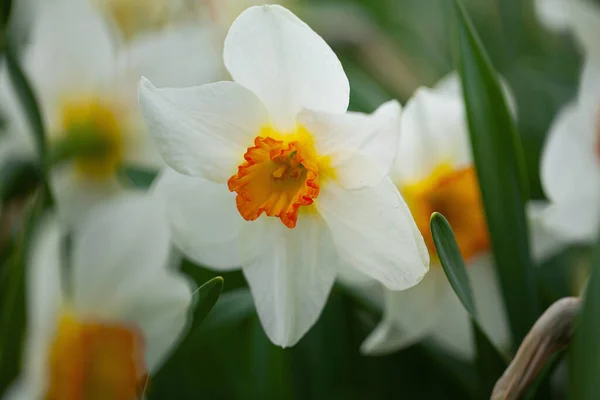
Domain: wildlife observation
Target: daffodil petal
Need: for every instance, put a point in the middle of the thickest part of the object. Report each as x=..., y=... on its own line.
x=582, y=17
x=433, y=132
x=70, y=50
x=569, y=159
x=123, y=249
x=204, y=130
x=291, y=277
x=151, y=55
x=289, y=67
x=409, y=315
x=374, y=231
x=205, y=222
x=45, y=297
x=361, y=146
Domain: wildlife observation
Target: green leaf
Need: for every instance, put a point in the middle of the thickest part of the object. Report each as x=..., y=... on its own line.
x=12, y=304
x=500, y=164
x=18, y=177
x=205, y=298
x=584, y=357
x=452, y=262
x=27, y=99
x=5, y=7
x=232, y=307
x=490, y=362
x=136, y=176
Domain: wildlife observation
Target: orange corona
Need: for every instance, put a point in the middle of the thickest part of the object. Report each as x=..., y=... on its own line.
x=90, y=361
x=281, y=175
x=455, y=194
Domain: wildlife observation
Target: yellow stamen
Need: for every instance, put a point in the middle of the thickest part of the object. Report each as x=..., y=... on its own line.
x=455, y=194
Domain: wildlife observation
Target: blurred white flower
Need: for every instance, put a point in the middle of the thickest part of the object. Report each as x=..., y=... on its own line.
x=105, y=315
x=87, y=89
x=434, y=171
x=570, y=167
x=278, y=141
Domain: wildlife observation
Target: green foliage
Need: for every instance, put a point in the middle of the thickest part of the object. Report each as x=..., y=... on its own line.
x=585, y=352
x=490, y=362
x=498, y=158
x=136, y=176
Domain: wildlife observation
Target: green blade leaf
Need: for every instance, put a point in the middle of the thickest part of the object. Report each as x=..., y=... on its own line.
x=584, y=357
x=27, y=98
x=500, y=164
x=452, y=262
x=136, y=176
x=5, y=7
x=17, y=178
x=206, y=298
x=490, y=362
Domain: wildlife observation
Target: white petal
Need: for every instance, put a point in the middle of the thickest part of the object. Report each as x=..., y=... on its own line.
x=289, y=67
x=582, y=17
x=374, y=231
x=117, y=243
x=44, y=301
x=409, y=315
x=569, y=161
x=433, y=132
x=152, y=54
x=361, y=147
x=203, y=130
x=291, y=278
x=204, y=219
x=576, y=218
x=70, y=50
x=75, y=196
x=120, y=270
x=545, y=242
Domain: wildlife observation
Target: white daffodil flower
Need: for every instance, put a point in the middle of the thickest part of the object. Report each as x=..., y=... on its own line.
x=434, y=171
x=105, y=316
x=274, y=175
x=87, y=90
x=570, y=167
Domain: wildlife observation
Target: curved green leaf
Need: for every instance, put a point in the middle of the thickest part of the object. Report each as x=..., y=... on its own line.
x=490, y=362
x=500, y=164
x=452, y=262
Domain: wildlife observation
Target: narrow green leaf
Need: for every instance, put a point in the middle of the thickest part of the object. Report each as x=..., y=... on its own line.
x=27, y=98
x=136, y=176
x=584, y=357
x=452, y=262
x=5, y=7
x=500, y=165
x=12, y=305
x=18, y=177
x=490, y=362
x=206, y=298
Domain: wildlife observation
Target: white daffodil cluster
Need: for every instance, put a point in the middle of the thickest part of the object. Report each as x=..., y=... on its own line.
x=268, y=173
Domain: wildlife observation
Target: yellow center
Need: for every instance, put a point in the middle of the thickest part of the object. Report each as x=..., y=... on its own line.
x=455, y=194
x=280, y=175
x=94, y=119
x=95, y=361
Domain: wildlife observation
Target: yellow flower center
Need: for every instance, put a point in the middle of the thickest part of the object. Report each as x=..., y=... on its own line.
x=280, y=175
x=455, y=194
x=135, y=16
x=95, y=361
x=94, y=121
